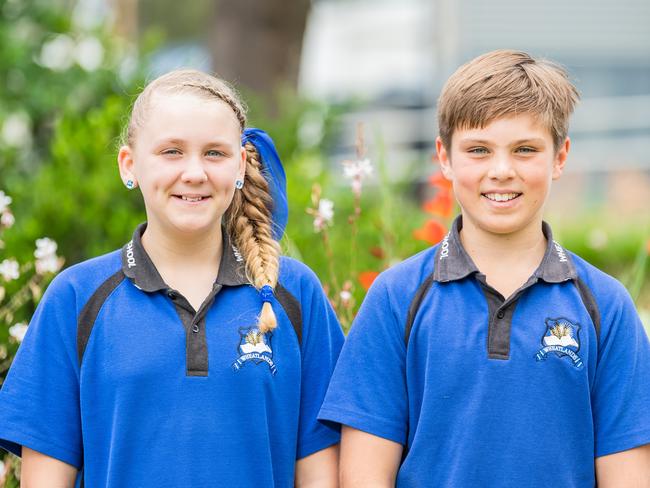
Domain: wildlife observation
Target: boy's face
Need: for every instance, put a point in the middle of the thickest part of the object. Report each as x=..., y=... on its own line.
x=502, y=174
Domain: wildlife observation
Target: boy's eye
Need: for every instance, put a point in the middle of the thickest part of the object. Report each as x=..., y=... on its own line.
x=526, y=149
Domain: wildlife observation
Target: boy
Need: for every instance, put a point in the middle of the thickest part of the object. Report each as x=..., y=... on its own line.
x=496, y=358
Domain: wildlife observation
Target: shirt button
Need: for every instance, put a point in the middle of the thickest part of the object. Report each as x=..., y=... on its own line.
x=501, y=314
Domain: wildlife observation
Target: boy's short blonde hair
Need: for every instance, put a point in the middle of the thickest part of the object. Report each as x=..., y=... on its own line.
x=505, y=83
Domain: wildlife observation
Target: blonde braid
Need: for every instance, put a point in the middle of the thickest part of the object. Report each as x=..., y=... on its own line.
x=249, y=222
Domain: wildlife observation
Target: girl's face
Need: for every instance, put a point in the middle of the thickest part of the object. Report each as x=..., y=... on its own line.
x=186, y=158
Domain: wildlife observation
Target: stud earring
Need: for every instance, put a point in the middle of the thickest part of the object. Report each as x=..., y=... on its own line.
x=130, y=184
x=239, y=184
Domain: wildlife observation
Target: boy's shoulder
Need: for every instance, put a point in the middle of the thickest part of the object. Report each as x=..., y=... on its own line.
x=605, y=289
x=411, y=273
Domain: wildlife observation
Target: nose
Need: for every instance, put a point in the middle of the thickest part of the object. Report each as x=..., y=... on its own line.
x=194, y=171
x=501, y=167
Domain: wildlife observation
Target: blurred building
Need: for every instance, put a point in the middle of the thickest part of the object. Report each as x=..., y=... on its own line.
x=394, y=56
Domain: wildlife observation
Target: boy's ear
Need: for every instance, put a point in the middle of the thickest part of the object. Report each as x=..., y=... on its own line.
x=125, y=164
x=560, y=158
x=443, y=159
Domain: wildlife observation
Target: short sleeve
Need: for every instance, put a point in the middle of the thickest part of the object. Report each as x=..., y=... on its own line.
x=321, y=343
x=621, y=390
x=39, y=400
x=368, y=387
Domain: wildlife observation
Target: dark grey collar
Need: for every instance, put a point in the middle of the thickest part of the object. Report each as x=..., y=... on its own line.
x=138, y=267
x=453, y=262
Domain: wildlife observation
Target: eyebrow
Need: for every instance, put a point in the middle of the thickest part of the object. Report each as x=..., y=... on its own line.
x=181, y=142
x=532, y=140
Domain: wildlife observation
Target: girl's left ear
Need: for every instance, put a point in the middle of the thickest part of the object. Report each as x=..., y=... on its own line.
x=560, y=158
x=242, y=164
x=125, y=164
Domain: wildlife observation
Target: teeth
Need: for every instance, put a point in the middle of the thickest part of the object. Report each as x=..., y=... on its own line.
x=192, y=199
x=501, y=197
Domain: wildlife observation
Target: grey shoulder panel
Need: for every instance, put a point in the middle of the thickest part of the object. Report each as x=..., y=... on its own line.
x=590, y=304
x=415, y=305
x=292, y=308
x=89, y=313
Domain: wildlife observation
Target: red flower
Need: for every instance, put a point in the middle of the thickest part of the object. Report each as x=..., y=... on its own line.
x=377, y=252
x=432, y=232
x=442, y=205
x=366, y=278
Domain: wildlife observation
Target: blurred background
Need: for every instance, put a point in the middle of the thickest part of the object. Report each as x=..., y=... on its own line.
x=348, y=90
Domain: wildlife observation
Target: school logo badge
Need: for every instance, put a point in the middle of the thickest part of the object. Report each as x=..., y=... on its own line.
x=254, y=346
x=561, y=338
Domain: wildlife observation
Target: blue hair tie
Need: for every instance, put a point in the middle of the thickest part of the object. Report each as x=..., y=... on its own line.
x=274, y=174
x=266, y=292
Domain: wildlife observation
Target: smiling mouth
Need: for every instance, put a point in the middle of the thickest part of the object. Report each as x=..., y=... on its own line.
x=501, y=197
x=191, y=199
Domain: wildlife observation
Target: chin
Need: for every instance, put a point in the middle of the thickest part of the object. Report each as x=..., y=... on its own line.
x=194, y=225
x=505, y=226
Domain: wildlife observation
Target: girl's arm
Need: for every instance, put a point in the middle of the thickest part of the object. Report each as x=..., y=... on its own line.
x=626, y=469
x=368, y=461
x=318, y=470
x=40, y=471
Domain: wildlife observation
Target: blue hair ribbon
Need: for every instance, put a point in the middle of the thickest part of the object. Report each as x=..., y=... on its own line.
x=275, y=176
x=266, y=293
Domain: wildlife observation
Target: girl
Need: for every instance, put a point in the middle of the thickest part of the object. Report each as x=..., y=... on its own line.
x=196, y=355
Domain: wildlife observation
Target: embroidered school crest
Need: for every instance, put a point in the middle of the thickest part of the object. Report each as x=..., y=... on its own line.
x=561, y=338
x=254, y=346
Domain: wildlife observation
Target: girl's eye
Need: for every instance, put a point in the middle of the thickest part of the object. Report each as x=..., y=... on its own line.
x=171, y=152
x=213, y=153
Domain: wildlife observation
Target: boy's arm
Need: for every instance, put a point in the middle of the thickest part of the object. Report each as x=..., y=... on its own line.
x=318, y=470
x=627, y=469
x=368, y=461
x=38, y=470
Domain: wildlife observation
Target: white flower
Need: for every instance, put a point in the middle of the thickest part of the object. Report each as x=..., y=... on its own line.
x=357, y=169
x=7, y=219
x=58, y=53
x=45, y=247
x=89, y=53
x=324, y=214
x=345, y=296
x=5, y=201
x=16, y=130
x=50, y=264
x=46, y=259
x=9, y=269
x=326, y=209
x=17, y=331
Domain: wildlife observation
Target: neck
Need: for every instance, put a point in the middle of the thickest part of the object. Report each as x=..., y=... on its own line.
x=523, y=249
x=167, y=251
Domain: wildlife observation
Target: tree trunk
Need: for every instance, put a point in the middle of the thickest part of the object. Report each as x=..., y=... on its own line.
x=256, y=43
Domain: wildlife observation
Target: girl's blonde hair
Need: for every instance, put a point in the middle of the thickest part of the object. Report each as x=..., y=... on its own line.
x=248, y=219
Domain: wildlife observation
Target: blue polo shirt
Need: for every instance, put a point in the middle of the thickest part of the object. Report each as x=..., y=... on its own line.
x=119, y=376
x=487, y=391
